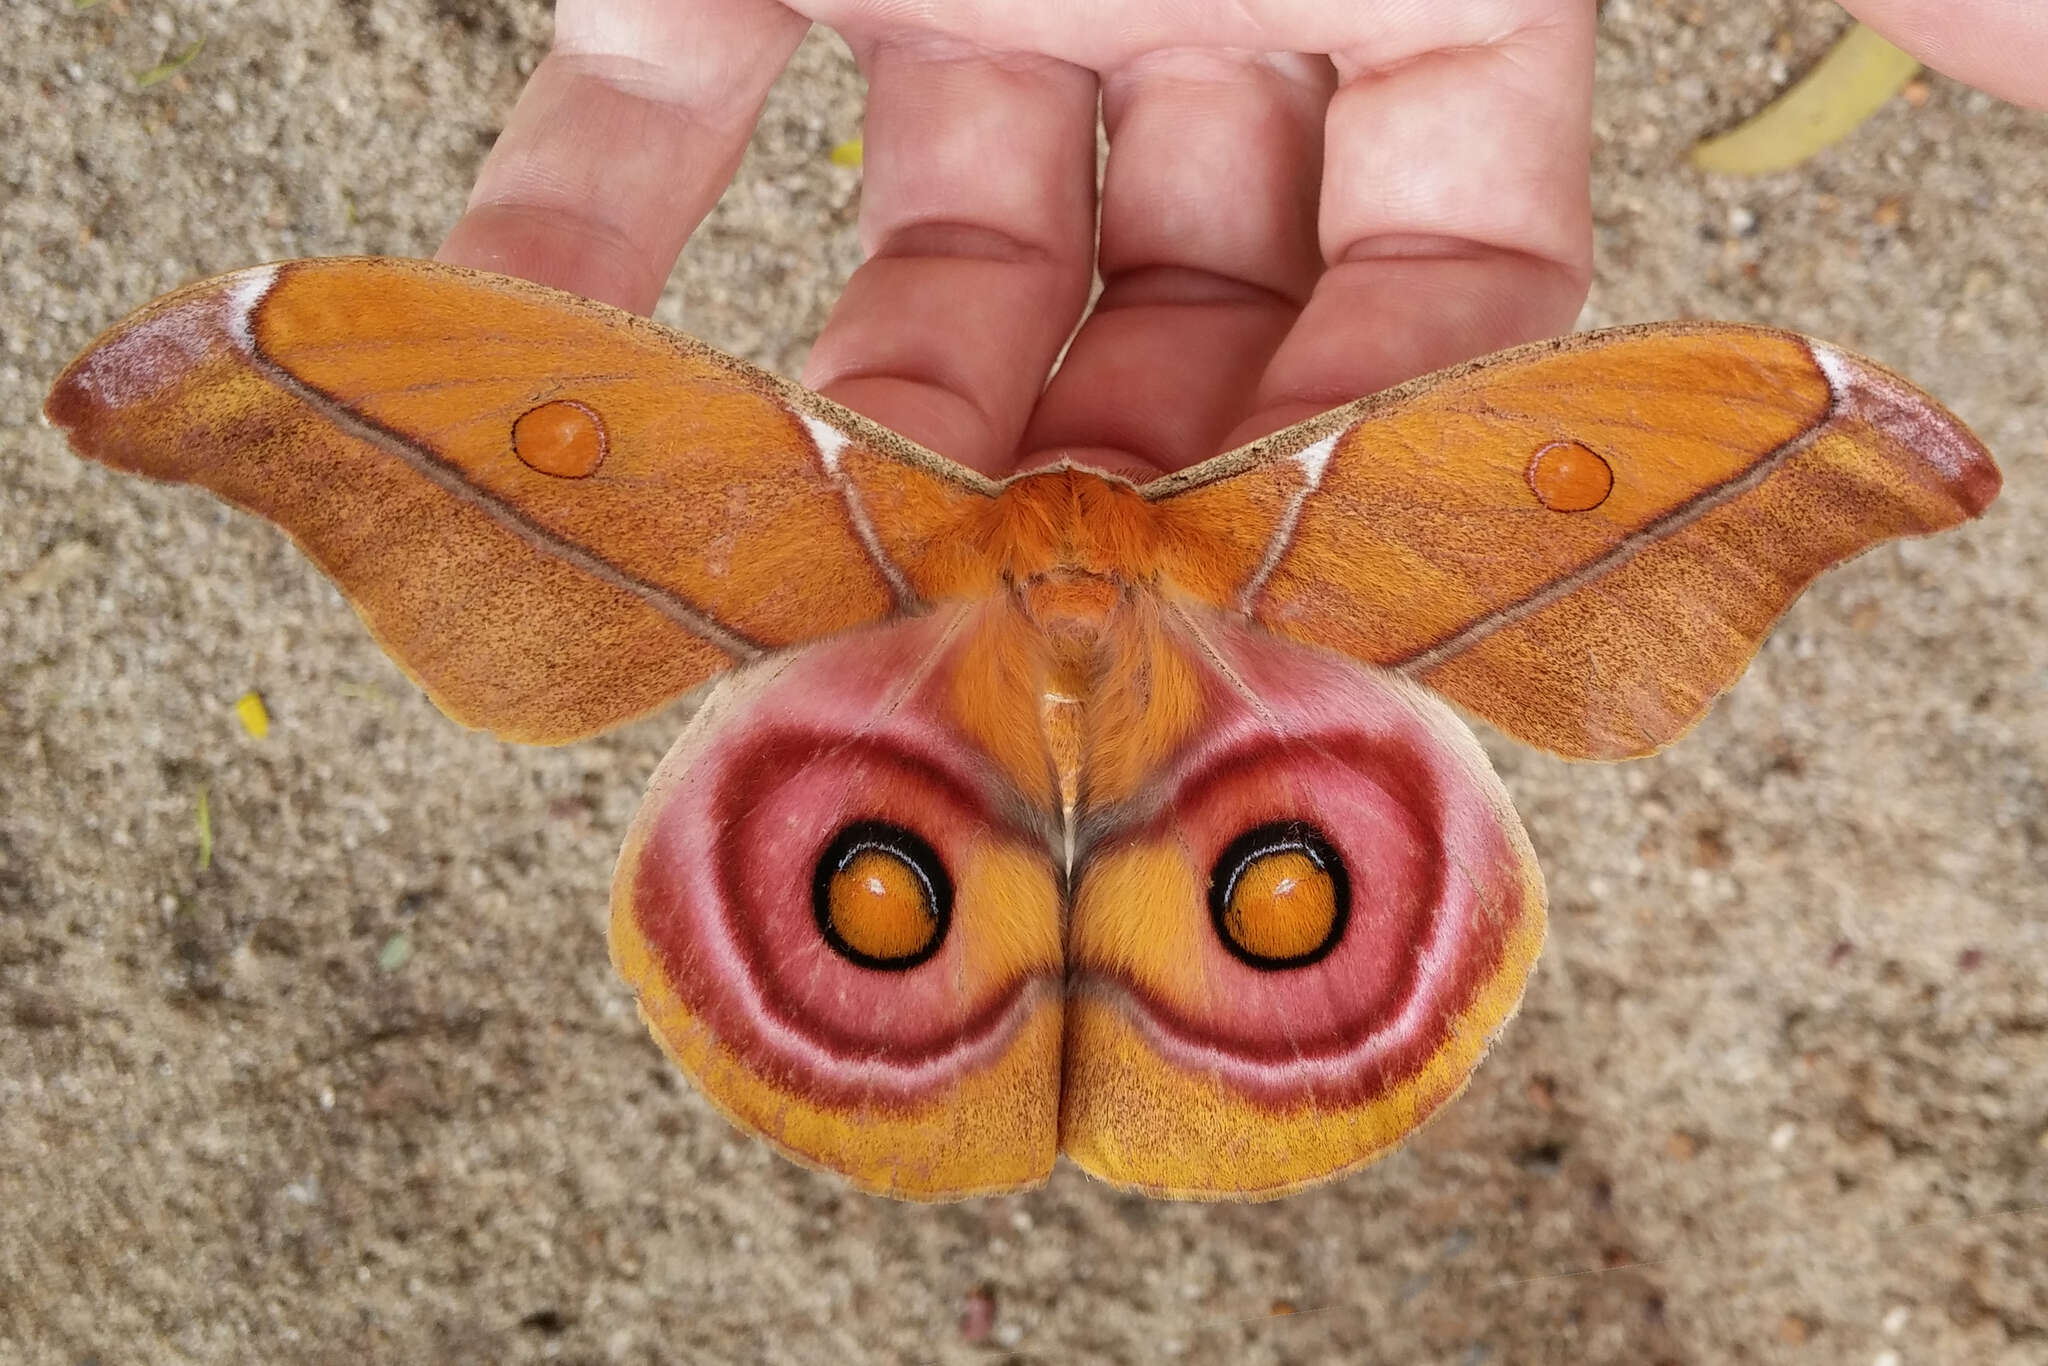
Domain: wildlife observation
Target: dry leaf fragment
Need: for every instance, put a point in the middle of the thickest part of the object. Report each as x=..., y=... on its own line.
x=61, y=564
x=204, y=812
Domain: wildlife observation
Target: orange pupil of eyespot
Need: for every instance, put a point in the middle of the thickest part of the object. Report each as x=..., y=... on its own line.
x=880, y=907
x=1282, y=906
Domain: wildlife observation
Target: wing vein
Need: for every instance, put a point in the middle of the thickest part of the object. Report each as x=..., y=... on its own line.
x=1313, y=461
x=829, y=441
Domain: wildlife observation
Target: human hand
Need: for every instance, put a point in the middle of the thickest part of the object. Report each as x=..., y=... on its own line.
x=1279, y=232
x=2000, y=46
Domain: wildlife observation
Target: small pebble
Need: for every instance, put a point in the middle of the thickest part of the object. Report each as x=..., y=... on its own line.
x=978, y=1314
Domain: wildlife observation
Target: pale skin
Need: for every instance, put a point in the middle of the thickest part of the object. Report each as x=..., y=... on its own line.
x=1281, y=231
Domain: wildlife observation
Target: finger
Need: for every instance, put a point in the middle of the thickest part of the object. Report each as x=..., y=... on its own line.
x=1455, y=218
x=622, y=141
x=1996, y=45
x=1208, y=252
x=978, y=215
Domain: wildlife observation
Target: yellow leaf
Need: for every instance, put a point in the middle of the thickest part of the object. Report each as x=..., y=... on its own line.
x=847, y=153
x=1845, y=87
x=254, y=716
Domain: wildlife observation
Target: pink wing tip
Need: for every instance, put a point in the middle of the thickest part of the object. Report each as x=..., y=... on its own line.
x=1948, y=448
x=149, y=353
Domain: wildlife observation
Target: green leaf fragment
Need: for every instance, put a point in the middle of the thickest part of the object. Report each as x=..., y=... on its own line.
x=366, y=692
x=396, y=953
x=164, y=70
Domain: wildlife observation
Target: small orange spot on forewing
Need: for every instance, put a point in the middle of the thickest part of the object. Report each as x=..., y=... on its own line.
x=1568, y=477
x=562, y=438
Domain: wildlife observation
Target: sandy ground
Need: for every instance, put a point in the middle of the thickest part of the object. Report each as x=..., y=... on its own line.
x=1779, y=1092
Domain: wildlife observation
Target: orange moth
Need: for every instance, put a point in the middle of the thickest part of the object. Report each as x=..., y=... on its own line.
x=1059, y=815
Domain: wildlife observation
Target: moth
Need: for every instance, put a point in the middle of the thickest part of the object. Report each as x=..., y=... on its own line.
x=1061, y=814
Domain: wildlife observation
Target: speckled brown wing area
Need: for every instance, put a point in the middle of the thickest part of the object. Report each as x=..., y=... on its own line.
x=1585, y=541
x=554, y=514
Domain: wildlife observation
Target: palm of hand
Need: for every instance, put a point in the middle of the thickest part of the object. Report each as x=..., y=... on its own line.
x=1278, y=232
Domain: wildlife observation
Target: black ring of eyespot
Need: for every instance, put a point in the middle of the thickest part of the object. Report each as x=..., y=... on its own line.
x=914, y=853
x=1278, y=837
